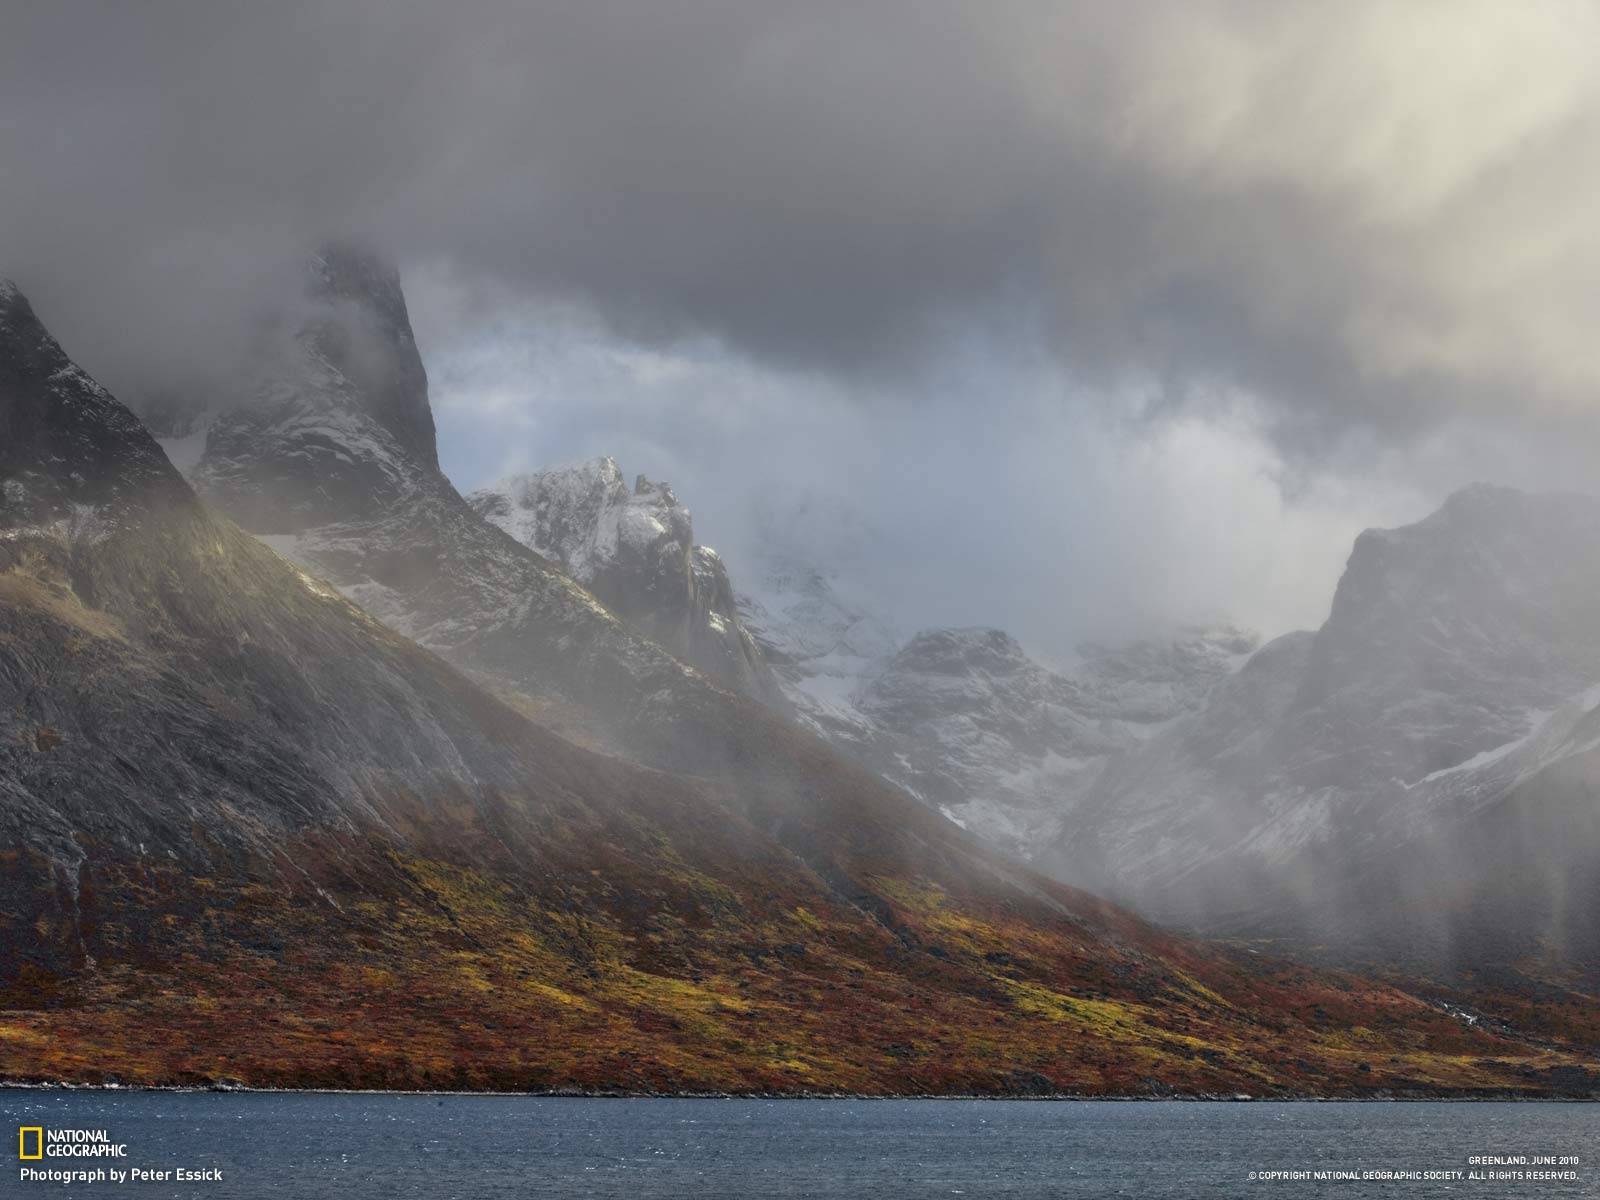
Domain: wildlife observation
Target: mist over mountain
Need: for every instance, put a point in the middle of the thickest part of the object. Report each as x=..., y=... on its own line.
x=331, y=460
x=1183, y=332
x=256, y=836
x=962, y=719
x=1368, y=791
x=1412, y=779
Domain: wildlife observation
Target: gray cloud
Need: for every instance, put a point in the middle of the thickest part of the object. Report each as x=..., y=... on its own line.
x=1365, y=225
x=1362, y=213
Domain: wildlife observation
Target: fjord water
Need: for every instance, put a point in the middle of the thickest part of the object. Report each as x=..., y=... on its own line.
x=359, y=1146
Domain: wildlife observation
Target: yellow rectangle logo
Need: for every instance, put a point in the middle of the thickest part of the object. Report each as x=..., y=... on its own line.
x=38, y=1142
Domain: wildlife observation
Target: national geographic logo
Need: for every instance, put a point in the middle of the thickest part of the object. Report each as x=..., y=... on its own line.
x=36, y=1143
x=79, y=1156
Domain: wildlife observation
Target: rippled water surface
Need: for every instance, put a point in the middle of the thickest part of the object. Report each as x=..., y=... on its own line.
x=490, y=1146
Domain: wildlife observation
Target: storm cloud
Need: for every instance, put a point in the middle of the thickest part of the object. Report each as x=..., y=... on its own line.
x=1333, y=234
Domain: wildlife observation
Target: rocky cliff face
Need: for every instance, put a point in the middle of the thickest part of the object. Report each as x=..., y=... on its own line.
x=1459, y=656
x=635, y=550
x=336, y=424
x=68, y=452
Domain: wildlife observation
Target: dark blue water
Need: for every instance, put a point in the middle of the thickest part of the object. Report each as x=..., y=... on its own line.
x=387, y=1147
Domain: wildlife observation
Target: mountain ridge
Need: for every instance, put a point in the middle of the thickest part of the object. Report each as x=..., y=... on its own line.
x=295, y=849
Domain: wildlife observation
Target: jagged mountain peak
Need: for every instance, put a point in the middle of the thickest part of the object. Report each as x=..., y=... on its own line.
x=583, y=516
x=336, y=422
x=635, y=550
x=66, y=446
x=321, y=465
x=964, y=650
x=365, y=333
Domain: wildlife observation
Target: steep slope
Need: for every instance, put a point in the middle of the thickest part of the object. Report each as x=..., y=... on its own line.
x=339, y=424
x=635, y=550
x=1332, y=791
x=253, y=835
x=67, y=447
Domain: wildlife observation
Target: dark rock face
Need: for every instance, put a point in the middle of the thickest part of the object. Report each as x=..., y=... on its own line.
x=366, y=336
x=635, y=551
x=338, y=424
x=1338, y=789
x=66, y=447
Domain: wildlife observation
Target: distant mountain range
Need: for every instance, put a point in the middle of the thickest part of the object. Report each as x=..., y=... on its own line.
x=313, y=775
x=1414, y=783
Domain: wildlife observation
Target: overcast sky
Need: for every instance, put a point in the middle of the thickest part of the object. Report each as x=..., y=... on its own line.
x=1073, y=318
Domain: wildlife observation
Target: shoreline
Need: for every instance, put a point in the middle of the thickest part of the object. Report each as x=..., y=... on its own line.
x=1056, y=1098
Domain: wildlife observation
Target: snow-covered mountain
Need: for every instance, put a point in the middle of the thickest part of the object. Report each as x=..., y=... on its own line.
x=1007, y=747
x=1340, y=786
x=821, y=638
x=331, y=460
x=963, y=718
x=635, y=550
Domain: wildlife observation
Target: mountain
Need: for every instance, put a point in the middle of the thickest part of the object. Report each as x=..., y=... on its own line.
x=635, y=550
x=964, y=719
x=1415, y=777
x=1004, y=746
x=821, y=642
x=330, y=461
x=254, y=836
x=337, y=423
